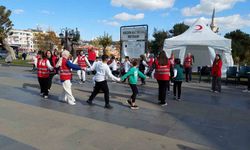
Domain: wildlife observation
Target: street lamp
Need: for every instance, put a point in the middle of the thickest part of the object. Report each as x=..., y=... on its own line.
x=69, y=38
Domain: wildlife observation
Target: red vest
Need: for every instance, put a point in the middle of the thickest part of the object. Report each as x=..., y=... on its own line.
x=216, y=69
x=81, y=62
x=65, y=72
x=162, y=72
x=151, y=61
x=188, y=62
x=42, y=68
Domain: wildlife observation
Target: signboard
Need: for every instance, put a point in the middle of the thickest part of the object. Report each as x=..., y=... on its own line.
x=133, y=40
x=133, y=34
x=133, y=49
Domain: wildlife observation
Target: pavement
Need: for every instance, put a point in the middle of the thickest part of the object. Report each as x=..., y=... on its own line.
x=201, y=121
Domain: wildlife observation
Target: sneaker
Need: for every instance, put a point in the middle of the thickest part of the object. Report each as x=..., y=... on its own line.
x=80, y=82
x=178, y=99
x=163, y=104
x=129, y=102
x=134, y=107
x=108, y=106
x=246, y=90
x=216, y=92
x=45, y=96
x=168, y=93
x=71, y=103
x=89, y=102
x=41, y=94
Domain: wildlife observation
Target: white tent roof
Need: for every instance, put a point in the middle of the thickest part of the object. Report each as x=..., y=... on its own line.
x=198, y=34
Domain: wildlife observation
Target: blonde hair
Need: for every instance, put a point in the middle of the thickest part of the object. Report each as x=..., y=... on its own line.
x=65, y=54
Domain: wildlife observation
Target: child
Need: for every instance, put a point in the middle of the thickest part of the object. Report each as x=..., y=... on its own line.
x=178, y=77
x=133, y=78
x=126, y=66
x=102, y=72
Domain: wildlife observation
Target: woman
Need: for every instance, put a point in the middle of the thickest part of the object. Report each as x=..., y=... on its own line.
x=142, y=67
x=178, y=77
x=216, y=74
x=52, y=73
x=162, y=75
x=43, y=72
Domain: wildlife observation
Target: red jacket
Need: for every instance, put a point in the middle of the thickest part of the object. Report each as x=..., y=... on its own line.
x=162, y=72
x=81, y=62
x=216, y=69
x=91, y=55
x=65, y=72
x=188, y=62
x=42, y=68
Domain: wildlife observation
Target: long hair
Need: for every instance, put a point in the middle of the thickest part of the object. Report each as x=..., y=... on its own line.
x=162, y=59
x=215, y=61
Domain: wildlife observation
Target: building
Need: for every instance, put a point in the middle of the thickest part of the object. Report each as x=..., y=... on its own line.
x=23, y=39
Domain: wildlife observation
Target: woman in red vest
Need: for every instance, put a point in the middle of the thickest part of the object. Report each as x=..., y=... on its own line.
x=162, y=75
x=43, y=72
x=66, y=76
x=82, y=61
x=188, y=62
x=216, y=74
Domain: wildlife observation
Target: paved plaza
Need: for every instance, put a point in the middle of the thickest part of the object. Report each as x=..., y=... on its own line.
x=201, y=121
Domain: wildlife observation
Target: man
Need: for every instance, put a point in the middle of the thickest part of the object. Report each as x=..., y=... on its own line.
x=188, y=62
x=83, y=62
x=102, y=71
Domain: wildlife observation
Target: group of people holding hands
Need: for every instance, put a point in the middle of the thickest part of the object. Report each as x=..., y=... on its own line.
x=162, y=68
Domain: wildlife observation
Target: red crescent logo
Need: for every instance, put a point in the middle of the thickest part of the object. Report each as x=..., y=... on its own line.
x=198, y=27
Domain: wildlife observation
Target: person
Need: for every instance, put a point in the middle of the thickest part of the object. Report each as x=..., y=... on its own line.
x=162, y=75
x=102, y=72
x=216, y=74
x=113, y=66
x=150, y=63
x=48, y=54
x=55, y=58
x=142, y=67
x=126, y=65
x=65, y=76
x=91, y=55
x=83, y=62
x=172, y=64
x=24, y=55
x=177, y=78
x=248, y=84
x=43, y=71
x=133, y=78
x=35, y=59
x=188, y=62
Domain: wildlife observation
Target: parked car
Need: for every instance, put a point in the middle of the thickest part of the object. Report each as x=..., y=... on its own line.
x=3, y=54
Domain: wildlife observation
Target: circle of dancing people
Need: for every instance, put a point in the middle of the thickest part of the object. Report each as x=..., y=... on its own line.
x=167, y=71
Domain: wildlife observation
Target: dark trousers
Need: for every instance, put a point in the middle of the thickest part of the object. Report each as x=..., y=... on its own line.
x=216, y=83
x=177, y=86
x=134, y=90
x=142, y=79
x=44, y=83
x=115, y=73
x=188, y=72
x=163, y=85
x=50, y=80
x=101, y=86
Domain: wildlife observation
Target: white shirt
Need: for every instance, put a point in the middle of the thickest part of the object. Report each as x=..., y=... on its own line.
x=113, y=65
x=103, y=71
x=127, y=66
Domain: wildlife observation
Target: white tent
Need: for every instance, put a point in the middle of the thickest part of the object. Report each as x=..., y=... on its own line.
x=202, y=43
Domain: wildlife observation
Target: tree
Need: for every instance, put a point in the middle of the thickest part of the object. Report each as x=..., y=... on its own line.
x=47, y=41
x=240, y=45
x=105, y=41
x=95, y=42
x=158, y=42
x=5, y=27
x=178, y=29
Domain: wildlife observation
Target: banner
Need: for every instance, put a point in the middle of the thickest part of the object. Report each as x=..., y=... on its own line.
x=133, y=49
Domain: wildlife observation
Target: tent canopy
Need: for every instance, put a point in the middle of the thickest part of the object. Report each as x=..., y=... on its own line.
x=202, y=43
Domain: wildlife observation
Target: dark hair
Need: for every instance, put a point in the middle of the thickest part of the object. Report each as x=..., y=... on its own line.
x=162, y=58
x=177, y=61
x=44, y=54
x=105, y=57
x=127, y=57
x=47, y=52
x=142, y=57
x=113, y=57
x=134, y=63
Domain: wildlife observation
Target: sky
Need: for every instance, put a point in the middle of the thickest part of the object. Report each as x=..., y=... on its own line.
x=93, y=18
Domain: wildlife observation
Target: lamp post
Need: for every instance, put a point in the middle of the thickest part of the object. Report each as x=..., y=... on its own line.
x=69, y=38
